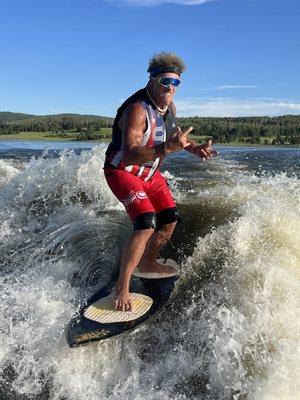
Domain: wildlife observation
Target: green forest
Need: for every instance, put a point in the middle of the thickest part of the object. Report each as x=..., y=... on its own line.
x=253, y=130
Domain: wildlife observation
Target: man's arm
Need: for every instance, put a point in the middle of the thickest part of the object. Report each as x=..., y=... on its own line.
x=204, y=150
x=133, y=125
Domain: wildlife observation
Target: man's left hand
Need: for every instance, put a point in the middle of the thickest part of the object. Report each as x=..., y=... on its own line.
x=205, y=150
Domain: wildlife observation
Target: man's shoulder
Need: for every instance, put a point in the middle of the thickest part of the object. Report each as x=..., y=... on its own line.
x=135, y=107
x=136, y=97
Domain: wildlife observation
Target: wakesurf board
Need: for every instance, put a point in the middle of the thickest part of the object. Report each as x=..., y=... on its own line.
x=98, y=320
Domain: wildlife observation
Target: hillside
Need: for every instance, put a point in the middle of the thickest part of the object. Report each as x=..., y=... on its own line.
x=276, y=130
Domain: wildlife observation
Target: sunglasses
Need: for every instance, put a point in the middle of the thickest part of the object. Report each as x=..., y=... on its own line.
x=166, y=82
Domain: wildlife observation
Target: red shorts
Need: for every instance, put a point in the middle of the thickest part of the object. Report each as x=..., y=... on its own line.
x=138, y=196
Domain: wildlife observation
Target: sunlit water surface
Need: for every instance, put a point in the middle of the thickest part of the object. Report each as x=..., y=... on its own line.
x=232, y=329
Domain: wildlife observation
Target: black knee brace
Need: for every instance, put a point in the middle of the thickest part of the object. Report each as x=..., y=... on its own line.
x=167, y=216
x=145, y=221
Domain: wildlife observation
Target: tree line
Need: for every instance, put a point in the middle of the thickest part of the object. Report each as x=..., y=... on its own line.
x=15, y=123
x=276, y=130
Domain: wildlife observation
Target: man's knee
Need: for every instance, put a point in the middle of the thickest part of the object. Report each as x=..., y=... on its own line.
x=169, y=216
x=145, y=221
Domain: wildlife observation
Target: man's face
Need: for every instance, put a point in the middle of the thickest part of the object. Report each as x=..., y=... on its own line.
x=163, y=94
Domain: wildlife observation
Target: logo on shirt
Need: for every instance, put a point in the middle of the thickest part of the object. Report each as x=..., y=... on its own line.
x=134, y=197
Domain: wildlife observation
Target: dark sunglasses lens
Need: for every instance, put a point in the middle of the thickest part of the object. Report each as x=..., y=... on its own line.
x=169, y=81
x=176, y=82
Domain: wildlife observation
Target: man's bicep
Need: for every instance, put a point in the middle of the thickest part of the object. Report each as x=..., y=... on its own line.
x=133, y=126
x=132, y=136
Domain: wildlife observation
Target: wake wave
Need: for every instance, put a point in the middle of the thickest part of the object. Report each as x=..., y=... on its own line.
x=232, y=330
x=248, y=275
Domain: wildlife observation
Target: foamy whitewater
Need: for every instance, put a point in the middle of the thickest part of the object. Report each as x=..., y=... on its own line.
x=232, y=329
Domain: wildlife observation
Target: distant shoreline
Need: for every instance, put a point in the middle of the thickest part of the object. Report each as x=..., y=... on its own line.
x=240, y=131
x=38, y=136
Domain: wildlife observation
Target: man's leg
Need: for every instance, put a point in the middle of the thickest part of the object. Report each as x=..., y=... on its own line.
x=167, y=216
x=130, y=190
x=132, y=252
x=157, y=241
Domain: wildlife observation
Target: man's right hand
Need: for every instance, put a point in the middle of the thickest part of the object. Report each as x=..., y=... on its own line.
x=178, y=141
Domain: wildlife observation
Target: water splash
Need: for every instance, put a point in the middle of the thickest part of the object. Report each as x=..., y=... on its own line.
x=232, y=329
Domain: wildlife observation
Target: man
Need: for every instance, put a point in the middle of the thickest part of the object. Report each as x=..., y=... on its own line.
x=144, y=133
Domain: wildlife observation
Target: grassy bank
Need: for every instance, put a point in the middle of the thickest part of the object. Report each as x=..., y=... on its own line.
x=33, y=136
x=105, y=135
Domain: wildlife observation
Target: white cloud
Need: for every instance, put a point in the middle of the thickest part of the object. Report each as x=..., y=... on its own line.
x=157, y=2
x=225, y=87
x=59, y=111
x=230, y=107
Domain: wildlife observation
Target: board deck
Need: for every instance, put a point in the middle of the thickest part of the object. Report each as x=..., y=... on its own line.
x=82, y=330
x=103, y=310
x=154, y=275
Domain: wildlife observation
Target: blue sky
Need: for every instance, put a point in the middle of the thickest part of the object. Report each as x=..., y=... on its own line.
x=87, y=56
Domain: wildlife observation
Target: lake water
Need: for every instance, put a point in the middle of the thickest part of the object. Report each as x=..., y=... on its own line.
x=232, y=330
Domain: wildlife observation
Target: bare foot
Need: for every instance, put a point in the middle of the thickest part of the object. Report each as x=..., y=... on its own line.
x=154, y=266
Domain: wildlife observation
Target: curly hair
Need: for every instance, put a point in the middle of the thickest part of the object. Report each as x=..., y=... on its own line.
x=165, y=62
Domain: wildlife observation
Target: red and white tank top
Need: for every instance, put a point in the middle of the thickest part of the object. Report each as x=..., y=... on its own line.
x=155, y=134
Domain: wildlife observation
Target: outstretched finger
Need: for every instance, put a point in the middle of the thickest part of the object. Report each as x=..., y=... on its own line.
x=177, y=132
x=186, y=132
